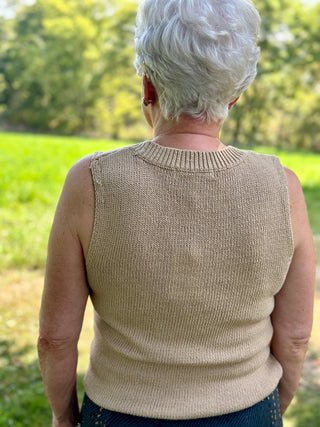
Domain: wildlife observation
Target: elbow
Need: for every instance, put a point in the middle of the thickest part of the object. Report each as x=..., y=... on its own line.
x=54, y=345
x=293, y=338
x=299, y=346
x=45, y=343
x=292, y=347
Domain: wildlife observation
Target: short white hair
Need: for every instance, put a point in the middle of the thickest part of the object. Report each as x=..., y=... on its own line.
x=200, y=55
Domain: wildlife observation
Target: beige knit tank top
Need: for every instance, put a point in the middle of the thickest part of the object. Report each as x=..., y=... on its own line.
x=187, y=252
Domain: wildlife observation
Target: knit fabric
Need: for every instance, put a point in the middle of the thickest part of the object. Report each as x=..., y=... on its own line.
x=187, y=252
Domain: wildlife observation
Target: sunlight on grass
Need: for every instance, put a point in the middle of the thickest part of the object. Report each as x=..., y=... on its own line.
x=288, y=423
x=32, y=172
x=33, y=169
x=18, y=359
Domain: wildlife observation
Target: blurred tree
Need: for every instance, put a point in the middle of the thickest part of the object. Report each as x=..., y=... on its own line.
x=67, y=66
x=61, y=64
x=304, y=104
x=5, y=35
x=279, y=107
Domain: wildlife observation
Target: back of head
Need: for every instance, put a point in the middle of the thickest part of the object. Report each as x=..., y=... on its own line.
x=199, y=54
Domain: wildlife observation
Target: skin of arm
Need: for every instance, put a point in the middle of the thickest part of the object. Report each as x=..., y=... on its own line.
x=65, y=294
x=293, y=312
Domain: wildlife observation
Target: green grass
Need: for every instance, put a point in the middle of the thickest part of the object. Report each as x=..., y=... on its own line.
x=307, y=167
x=22, y=399
x=32, y=171
x=23, y=402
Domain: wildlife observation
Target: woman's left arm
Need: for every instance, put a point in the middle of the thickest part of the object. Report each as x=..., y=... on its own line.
x=65, y=295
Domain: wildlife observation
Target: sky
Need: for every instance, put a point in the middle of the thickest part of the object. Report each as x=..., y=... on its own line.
x=6, y=11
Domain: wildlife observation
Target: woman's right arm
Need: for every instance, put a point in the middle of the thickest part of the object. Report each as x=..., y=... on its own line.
x=293, y=312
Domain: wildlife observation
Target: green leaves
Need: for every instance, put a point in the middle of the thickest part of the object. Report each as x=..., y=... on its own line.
x=68, y=67
x=62, y=61
x=281, y=106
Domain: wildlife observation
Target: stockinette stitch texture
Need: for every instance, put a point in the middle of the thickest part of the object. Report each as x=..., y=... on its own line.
x=187, y=252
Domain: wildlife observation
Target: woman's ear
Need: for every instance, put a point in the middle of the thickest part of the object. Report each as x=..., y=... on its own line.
x=149, y=92
x=232, y=103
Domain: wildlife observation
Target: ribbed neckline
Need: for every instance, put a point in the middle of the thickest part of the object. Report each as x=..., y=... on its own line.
x=189, y=160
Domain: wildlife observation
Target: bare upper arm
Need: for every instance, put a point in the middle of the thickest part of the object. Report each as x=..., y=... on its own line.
x=66, y=290
x=293, y=312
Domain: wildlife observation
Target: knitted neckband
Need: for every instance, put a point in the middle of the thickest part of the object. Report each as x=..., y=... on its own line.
x=189, y=160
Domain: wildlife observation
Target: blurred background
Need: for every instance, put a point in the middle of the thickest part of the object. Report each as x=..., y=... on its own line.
x=68, y=88
x=67, y=67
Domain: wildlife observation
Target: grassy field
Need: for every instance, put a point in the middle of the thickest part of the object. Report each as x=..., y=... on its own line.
x=32, y=172
x=33, y=168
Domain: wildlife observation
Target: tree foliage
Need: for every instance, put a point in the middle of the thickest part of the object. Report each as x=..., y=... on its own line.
x=67, y=66
x=280, y=107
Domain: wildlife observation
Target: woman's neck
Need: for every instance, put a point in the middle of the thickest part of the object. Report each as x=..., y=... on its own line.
x=188, y=134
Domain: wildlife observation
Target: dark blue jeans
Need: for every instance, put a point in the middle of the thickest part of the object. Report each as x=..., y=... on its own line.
x=266, y=413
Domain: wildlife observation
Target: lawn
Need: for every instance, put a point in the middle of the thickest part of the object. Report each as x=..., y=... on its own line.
x=32, y=172
x=33, y=168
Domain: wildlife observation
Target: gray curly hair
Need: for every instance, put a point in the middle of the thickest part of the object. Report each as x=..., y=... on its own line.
x=200, y=55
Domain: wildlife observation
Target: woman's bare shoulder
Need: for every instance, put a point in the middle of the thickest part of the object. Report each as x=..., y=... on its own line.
x=79, y=176
x=78, y=184
x=298, y=209
x=77, y=200
x=294, y=185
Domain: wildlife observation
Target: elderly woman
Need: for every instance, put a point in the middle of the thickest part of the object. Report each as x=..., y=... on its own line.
x=198, y=257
